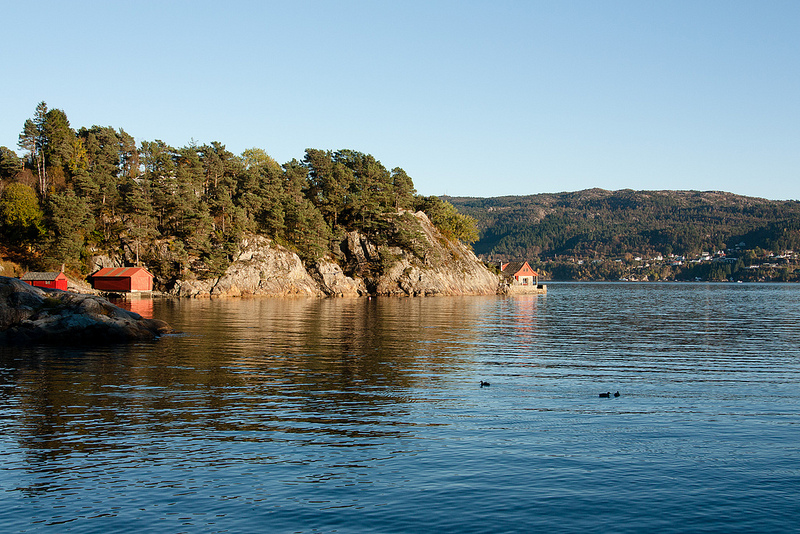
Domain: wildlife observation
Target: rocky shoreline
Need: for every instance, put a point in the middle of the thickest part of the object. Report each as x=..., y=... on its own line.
x=261, y=268
x=264, y=268
x=33, y=315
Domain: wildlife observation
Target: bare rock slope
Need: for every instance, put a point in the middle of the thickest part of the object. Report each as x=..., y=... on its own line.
x=435, y=266
x=260, y=268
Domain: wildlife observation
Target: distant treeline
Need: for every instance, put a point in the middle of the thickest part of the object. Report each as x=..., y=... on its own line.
x=596, y=223
x=73, y=194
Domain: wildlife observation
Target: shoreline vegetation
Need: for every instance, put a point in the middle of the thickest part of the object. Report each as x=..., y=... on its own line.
x=93, y=197
x=205, y=221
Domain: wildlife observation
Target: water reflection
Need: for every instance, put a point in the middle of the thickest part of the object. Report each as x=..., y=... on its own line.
x=345, y=368
x=141, y=304
x=352, y=368
x=370, y=411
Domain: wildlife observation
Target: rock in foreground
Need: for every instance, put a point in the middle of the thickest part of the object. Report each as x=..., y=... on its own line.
x=33, y=315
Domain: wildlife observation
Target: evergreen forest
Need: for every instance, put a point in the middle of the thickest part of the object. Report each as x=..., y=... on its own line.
x=597, y=223
x=71, y=194
x=597, y=234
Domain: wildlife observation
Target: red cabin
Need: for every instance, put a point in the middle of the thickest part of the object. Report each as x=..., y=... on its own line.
x=127, y=279
x=50, y=280
x=519, y=272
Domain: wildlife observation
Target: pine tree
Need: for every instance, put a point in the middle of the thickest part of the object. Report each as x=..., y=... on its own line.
x=33, y=140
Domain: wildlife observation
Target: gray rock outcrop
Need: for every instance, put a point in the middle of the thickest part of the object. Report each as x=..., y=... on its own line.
x=334, y=283
x=260, y=268
x=429, y=264
x=435, y=266
x=33, y=315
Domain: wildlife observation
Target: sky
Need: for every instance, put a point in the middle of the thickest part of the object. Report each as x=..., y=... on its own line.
x=470, y=98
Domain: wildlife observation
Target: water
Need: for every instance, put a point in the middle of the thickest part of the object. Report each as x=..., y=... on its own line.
x=359, y=415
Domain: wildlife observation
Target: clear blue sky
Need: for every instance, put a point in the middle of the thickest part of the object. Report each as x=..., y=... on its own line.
x=471, y=98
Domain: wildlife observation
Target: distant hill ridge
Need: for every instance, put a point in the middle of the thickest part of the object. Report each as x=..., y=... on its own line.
x=599, y=223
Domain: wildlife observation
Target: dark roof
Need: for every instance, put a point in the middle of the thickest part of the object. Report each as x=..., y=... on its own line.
x=513, y=267
x=120, y=272
x=40, y=277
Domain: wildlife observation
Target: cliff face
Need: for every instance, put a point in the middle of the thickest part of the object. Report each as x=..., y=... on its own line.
x=260, y=268
x=437, y=266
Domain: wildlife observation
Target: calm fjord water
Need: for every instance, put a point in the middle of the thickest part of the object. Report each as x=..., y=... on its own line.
x=367, y=416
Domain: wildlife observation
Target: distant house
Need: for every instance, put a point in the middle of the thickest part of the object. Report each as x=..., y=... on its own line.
x=51, y=280
x=126, y=279
x=519, y=272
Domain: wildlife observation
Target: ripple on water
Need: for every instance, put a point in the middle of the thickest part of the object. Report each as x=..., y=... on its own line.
x=351, y=415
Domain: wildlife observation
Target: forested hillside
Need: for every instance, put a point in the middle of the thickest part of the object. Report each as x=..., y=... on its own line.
x=640, y=235
x=75, y=194
x=596, y=223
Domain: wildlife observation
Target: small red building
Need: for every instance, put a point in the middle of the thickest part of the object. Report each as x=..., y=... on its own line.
x=519, y=272
x=127, y=279
x=51, y=280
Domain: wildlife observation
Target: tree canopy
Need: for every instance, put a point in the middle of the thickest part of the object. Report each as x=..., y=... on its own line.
x=20, y=215
x=94, y=190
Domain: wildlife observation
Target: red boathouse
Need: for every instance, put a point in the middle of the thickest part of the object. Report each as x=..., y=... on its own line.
x=127, y=279
x=50, y=280
x=519, y=272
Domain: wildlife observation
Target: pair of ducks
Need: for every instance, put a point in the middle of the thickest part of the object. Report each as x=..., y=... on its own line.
x=603, y=395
